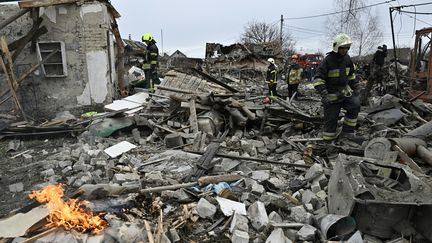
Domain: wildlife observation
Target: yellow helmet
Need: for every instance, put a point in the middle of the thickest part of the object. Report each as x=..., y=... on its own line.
x=341, y=40
x=271, y=60
x=147, y=37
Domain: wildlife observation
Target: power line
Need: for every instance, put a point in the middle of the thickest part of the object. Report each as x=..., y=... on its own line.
x=338, y=12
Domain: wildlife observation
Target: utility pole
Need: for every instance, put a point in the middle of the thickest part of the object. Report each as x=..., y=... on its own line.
x=281, y=32
x=162, y=42
x=391, y=9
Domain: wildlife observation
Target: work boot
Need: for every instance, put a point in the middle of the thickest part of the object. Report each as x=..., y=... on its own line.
x=351, y=137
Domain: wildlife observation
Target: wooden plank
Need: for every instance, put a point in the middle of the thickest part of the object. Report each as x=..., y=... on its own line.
x=7, y=59
x=10, y=82
x=44, y=3
x=13, y=18
x=216, y=81
x=407, y=160
x=193, y=121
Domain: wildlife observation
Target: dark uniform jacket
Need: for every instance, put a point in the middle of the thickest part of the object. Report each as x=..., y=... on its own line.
x=271, y=74
x=152, y=54
x=379, y=57
x=335, y=73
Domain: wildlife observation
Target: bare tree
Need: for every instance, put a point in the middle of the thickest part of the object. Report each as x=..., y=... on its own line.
x=261, y=32
x=359, y=22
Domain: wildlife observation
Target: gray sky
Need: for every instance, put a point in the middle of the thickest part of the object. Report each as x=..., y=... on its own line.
x=187, y=25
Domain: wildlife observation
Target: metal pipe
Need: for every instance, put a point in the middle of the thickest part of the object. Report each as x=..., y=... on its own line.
x=394, y=52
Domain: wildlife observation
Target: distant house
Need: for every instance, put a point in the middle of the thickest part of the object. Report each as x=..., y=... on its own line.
x=178, y=54
x=83, y=71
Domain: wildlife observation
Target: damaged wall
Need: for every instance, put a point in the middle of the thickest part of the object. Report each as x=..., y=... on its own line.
x=89, y=52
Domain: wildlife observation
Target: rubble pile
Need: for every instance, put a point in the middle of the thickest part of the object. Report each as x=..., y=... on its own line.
x=195, y=162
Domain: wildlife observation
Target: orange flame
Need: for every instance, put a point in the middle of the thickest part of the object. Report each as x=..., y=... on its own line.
x=67, y=214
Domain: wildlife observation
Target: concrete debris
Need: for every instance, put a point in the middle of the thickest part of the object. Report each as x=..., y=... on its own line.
x=277, y=236
x=239, y=222
x=239, y=236
x=228, y=207
x=205, y=209
x=258, y=215
x=17, y=187
x=307, y=233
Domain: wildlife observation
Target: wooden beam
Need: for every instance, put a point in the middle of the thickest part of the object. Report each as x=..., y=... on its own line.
x=43, y=3
x=13, y=18
x=216, y=81
x=193, y=121
x=6, y=64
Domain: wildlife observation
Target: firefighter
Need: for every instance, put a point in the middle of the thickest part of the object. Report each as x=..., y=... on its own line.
x=335, y=81
x=271, y=78
x=151, y=62
x=295, y=74
x=377, y=73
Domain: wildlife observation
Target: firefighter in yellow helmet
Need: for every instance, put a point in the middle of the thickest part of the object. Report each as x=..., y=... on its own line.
x=294, y=76
x=271, y=77
x=150, y=62
x=335, y=81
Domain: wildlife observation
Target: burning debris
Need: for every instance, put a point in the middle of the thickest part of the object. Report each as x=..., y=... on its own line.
x=69, y=214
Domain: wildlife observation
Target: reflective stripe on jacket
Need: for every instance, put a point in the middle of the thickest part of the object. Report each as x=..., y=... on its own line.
x=335, y=73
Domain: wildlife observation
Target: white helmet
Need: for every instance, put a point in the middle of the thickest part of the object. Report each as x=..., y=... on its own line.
x=271, y=60
x=341, y=40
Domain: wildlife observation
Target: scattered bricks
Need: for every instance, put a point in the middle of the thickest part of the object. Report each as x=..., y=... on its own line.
x=283, y=148
x=239, y=222
x=258, y=215
x=322, y=195
x=275, y=217
x=314, y=171
x=101, y=163
x=47, y=173
x=49, y=164
x=136, y=135
x=154, y=175
x=243, y=167
x=54, y=179
x=122, y=178
x=179, y=195
x=65, y=163
x=257, y=189
x=306, y=233
x=278, y=182
x=277, y=236
x=94, y=153
x=300, y=215
x=71, y=180
x=260, y=175
x=248, y=147
x=275, y=199
x=246, y=196
x=27, y=158
x=309, y=207
x=17, y=187
x=257, y=144
x=240, y=237
x=76, y=152
x=205, y=209
x=66, y=170
x=309, y=197
x=84, y=158
x=315, y=187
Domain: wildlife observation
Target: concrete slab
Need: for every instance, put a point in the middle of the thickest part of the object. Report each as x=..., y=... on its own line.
x=119, y=149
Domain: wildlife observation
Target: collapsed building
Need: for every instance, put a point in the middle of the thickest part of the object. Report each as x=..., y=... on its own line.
x=203, y=158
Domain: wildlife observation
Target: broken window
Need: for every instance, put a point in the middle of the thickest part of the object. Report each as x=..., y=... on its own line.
x=55, y=66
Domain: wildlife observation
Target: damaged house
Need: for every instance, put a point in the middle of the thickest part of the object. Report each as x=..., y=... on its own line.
x=63, y=54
